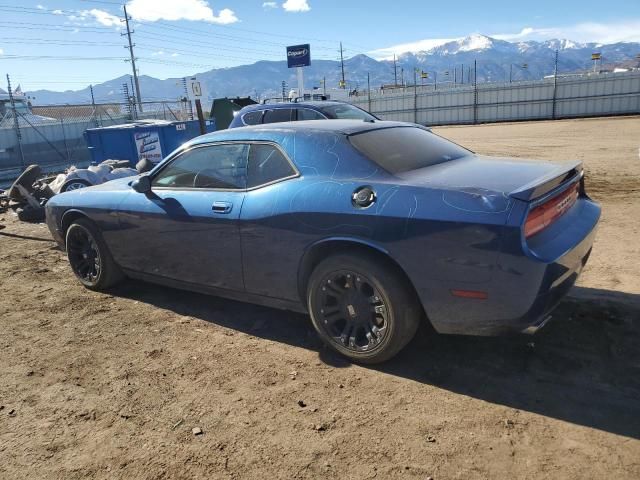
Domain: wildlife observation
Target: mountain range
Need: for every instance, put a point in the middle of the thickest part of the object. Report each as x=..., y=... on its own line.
x=496, y=60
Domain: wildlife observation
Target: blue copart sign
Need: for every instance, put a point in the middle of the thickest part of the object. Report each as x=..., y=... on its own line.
x=299, y=56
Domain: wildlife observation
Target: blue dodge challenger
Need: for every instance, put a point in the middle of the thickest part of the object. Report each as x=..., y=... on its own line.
x=369, y=226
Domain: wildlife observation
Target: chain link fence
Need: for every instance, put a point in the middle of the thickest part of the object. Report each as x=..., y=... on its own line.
x=52, y=136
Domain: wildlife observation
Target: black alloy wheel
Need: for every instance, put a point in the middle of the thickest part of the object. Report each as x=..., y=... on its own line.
x=89, y=256
x=362, y=307
x=84, y=255
x=353, y=311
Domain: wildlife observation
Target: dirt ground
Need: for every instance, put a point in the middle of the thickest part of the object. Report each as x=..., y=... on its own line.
x=111, y=385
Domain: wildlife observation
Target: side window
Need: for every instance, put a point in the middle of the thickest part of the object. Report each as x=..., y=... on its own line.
x=252, y=118
x=267, y=164
x=211, y=166
x=277, y=115
x=308, y=114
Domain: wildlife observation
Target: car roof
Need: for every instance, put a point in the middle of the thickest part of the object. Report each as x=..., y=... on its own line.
x=310, y=103
x=345, y=127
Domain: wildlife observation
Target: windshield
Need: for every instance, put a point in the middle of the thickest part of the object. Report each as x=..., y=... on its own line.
x=346, y=112
x=401, y=149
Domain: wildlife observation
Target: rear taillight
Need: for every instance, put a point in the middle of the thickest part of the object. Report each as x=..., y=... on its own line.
x=544, y=215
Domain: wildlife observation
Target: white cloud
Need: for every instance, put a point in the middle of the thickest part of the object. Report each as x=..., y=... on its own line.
x=1, y=52
x=153, y=10
x=102, y=17
x=175, y=54
x=419, y=46
x=57, y=12
x=159, y=52
x=267, y=5
x=624, y=31
x=525, y=32
x=296, y=6
x=41, y=7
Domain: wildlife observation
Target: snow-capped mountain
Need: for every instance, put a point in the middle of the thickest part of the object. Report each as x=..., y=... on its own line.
x=449, y=61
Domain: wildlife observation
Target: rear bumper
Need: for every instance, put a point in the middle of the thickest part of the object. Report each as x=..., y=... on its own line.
x=558, y=279
x=529, y=281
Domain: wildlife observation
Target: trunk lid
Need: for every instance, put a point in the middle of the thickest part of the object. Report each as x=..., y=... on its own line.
x=525, y=180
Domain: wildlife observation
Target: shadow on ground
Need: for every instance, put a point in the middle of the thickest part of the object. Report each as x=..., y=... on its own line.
x=583, y=368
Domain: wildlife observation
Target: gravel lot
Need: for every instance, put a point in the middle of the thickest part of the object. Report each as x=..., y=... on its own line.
x=112, y=385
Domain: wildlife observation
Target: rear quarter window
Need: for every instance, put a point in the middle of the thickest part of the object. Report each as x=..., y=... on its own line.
x=402, y=149
x=346, y=112
x=308, y=114
x=252, y=118
x=277, y=115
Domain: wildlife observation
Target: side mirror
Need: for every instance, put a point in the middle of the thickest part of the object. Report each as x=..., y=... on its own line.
x=142, y=184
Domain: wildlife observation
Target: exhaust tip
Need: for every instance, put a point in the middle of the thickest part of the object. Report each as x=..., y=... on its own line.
x=534, y=328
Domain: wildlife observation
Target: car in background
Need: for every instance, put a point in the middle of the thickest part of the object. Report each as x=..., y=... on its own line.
x=299, y=111
x=368, y=227
x=26, y=117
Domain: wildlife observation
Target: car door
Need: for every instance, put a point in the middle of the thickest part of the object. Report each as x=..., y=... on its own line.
x=270, y=240
x=186, y=228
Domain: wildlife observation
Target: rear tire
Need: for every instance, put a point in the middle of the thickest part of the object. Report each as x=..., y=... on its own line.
x=362, y=308
x=89, y=256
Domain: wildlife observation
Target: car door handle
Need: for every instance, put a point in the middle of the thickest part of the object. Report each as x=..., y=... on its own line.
x=222, y=207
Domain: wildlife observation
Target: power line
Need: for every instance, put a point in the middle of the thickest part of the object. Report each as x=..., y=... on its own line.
x=156, y=36
x=50, y=27
x=53, y=41
x=58, y=57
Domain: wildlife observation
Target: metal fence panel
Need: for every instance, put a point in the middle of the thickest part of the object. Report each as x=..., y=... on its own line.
x=576, y=96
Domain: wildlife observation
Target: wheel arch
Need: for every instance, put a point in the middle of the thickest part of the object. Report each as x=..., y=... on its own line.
x=319, y=250
x=68, y=218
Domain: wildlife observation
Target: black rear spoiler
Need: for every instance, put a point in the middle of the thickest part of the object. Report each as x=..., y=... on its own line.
x=565, y=172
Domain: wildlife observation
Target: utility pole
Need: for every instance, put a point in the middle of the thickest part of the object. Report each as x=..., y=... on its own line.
x=415, y=94
x=284, y=89
x=395, y=71
x=475, y=91
x=555, y=86
x=324, y=86
x=95, y=110
x=16, y=123
x=369, y=91
x=475, y=72
x=343, y=84
x=133, y=58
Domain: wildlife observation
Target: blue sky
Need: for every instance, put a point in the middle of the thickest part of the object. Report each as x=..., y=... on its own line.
x=67, y=44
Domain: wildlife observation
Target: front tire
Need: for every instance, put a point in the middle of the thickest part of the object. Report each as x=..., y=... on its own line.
x=362, y=308
x=89, y=256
